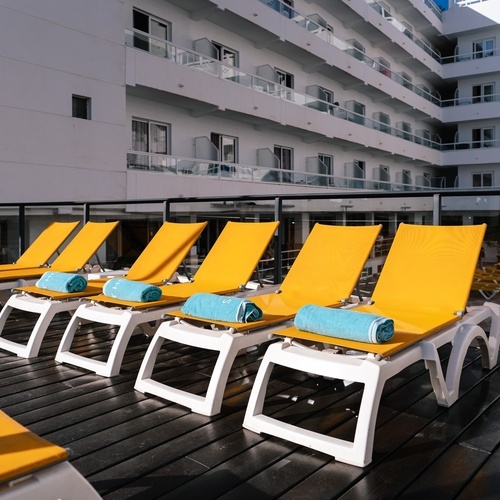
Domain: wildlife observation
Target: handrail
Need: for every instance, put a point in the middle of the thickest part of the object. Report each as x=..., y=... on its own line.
x=218, y=69
x=276, y=201
x=182, y=166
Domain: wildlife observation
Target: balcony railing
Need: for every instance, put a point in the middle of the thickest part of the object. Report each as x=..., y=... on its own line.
x=316, y=28
x=423, y=44
x=485, y=143
x=339, y=208
x=180, y=166
x=195, y=60
x=470, y=56
x=329, y=37
x=465, y=3
x=464, y=101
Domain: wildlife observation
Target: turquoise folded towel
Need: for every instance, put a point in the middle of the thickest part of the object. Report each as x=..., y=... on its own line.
x=62, y=282
x=221, y=308
x=345, y=324
x=134, y=291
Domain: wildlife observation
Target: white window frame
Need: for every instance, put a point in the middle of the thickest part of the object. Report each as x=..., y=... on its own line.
x=480, y=51
x=481, y=176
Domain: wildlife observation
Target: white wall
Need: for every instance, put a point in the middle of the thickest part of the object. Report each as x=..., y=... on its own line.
x=49, y=51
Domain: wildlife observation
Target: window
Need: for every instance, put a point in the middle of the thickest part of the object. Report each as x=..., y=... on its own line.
x=384, y=122
x=285, y=159
x=423, y=136
x=353, y=171
x=483, y=48
x=483, y=137
x=357, y=50
x=406, y=80
x=226, y=147
x=327, y=165
x=356, y=112
x=226, y=55
x=407, y=177
x=482, y=179
x=284, y=78
x=384, y=175
x=149, y=137
x=81, y=107
x=483, y=93
x=327, y=95
x=157, y=28
x=287, y=11
x=403, y=130
x=382, y=65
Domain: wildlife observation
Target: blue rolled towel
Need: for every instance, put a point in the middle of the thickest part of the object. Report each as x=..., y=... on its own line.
x=221, y=308
x=62, y=282
x=134, y=291
x=345, y=324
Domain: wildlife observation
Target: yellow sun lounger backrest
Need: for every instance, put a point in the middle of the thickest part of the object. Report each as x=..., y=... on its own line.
x=429, y=268
x=21, y=451
x=164, y=253
x=81, y=248
x=329, y=263
x=235, y=255
x=45, y=245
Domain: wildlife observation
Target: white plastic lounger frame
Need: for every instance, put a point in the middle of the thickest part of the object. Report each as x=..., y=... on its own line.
x=160, y=259
x=226, y=342
x=126, y=319
x=427, y=301
x=342, y=250
x=373, y=374
x=54, y=482
x=45, y=309
x=32, y=467
x=237, y=250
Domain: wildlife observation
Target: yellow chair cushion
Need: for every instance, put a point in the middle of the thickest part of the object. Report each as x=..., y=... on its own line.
x=22, y=451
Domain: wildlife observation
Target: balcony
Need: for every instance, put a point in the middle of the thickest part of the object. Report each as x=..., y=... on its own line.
x=182, y=87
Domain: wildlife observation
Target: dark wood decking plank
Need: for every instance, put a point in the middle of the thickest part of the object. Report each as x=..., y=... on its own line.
x=401, y=468
x=486, y=483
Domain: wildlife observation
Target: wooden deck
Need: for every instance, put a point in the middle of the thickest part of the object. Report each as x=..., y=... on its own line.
x=130, y=445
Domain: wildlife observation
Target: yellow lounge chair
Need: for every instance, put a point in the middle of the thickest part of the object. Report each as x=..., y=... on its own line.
x=226, y=269
x=156, y=264
x=423, y=287
x=72, y=259
x=45, y=245
x=32, y=467
x=325, y=271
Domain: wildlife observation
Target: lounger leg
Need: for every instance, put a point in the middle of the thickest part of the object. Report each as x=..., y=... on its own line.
x=225, y=342
x=370, y=372
x=126, y=320
x=446, y=388
x=46, y=310
x=494, y=336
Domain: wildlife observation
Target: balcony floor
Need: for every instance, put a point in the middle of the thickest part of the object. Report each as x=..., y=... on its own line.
x=129, y=445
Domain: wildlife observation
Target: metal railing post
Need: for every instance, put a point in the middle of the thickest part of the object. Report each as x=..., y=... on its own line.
x=166, y=210
x=436, y=210
x=86, y=213
x=22, y=229
x=278, y=238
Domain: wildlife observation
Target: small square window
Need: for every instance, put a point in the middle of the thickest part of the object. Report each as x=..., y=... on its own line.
x=81, y=107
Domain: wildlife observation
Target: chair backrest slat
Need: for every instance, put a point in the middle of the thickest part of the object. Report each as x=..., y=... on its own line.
x=81, y=248
x=165, y=252
x=46, y=244
x=429, y=268
x=235, y=255
x=329, y=263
